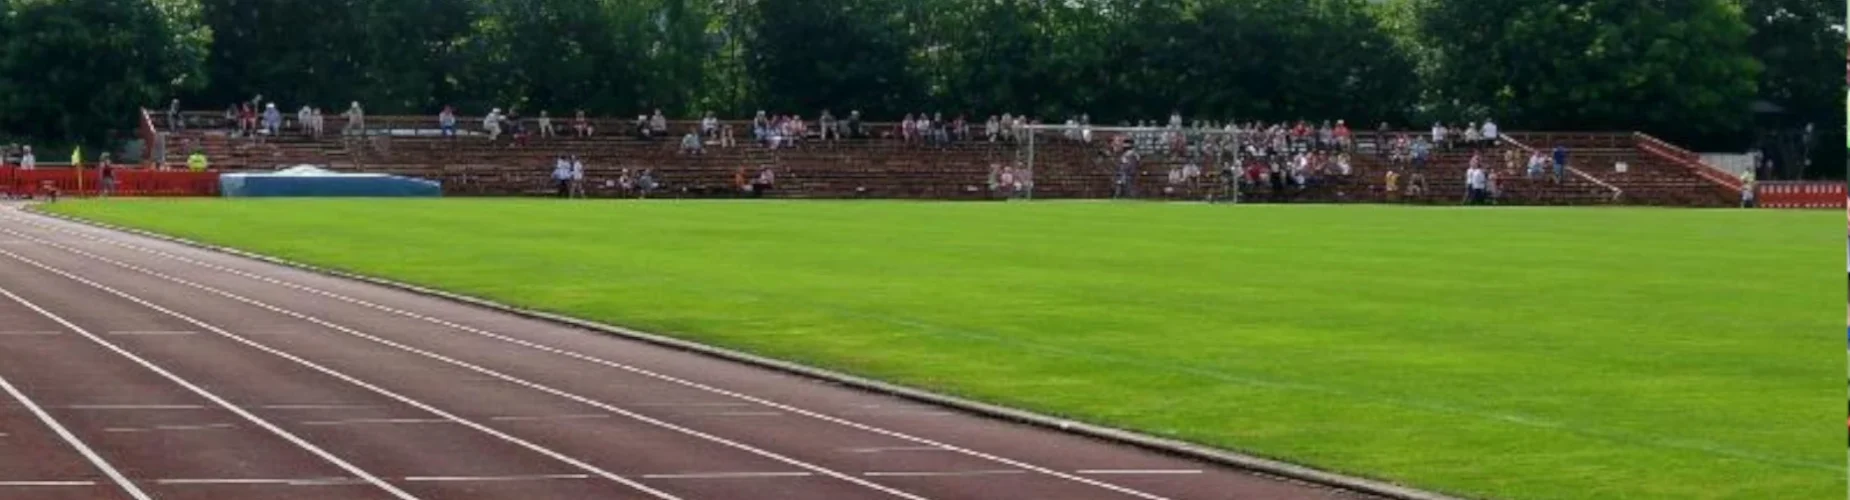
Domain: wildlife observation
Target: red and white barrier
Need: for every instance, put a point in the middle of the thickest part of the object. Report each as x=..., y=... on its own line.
x=1800, y=194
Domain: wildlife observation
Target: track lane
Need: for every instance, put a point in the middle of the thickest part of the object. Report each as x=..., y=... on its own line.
x=714, y=394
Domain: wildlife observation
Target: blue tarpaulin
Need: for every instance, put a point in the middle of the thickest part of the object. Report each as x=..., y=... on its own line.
x=308, y=181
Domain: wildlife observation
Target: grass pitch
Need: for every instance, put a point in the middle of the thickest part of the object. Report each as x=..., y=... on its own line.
x=1512, y=353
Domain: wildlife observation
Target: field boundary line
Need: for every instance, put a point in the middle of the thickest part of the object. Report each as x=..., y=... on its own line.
x=1242, y=461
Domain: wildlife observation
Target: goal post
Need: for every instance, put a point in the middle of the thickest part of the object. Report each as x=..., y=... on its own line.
x=1187, y=163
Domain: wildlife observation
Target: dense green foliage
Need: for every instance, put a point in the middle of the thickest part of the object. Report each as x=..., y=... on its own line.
x=1517, y=354
x=1686, y=69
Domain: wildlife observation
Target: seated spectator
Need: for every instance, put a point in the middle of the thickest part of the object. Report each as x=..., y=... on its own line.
x=658, y=124
x=625, y=182
x=761, y=127
x=247, y=120
x=1344, y=141
x=492, y=124
x=854, y=125
x=992, y=128
x=1343, y=168
x=1536, y=163
x=319, y=122
x=645, y=182
x=765, y=181
x=446, y=120
x=690, y=143
x=231, y=117
x=726, y=139
x=1472, y=139
x=546, y=129
x=641, y=126
x=356, y=120
x=1438, y=134
x=582, y=125
x=1490, y=132
x=272, y=120
x=709, y=126
x=301, y=120
x=1008, y=127
x=516, y=126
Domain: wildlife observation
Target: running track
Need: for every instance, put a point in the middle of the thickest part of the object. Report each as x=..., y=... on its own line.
x=132, y=368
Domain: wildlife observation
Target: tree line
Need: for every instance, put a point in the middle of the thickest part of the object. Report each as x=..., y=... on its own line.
x=70, y=70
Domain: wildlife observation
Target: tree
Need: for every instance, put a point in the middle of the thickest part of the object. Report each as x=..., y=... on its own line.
x=74, y=70
x=808, y=55
x=1681, y=69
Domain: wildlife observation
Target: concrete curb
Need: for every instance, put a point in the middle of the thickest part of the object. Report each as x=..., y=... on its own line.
x=1162, y=445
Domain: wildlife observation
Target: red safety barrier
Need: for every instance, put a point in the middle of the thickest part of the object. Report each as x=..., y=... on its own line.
x=1800, y=194
x=129, y=182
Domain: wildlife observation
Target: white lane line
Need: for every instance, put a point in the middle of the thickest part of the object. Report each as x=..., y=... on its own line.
x=132, y=407
x=320, y=407
x=692, y=405
x=205, y=427
x=327, y=481
x=362, y=421
x=1138, y=472
x=36, y=484
x=1000, y=472
x=71, y=439
x=534, y=418
x=434, y=356
x=889, y=449
x=537, y=477
x=29, y=333
x=586, y=358
x=152, y=333
x=343, y=377
x=195, y=389
x=727, y=475
x=738, y=414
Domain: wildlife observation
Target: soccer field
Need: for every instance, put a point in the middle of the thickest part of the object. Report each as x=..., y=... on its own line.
x=1519, y=353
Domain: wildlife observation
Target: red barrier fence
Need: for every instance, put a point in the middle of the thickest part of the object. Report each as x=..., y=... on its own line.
x=1800, y=194
x=129, y=182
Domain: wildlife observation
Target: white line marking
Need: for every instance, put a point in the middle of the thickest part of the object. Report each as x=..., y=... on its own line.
x=10, y=484
x=195, y=389
x=357, y=421
x=539, y=477
x=335, y=374
x=133, y=407
x=434, y=356
x=947, y=473
x=205, y=427
x=1138, y=472
x=549, y=417
x=579, y=356
x=574, y=356
x=327, y=481
x=29, y=333
x=152, y=333
x=738, y=414
x=71, y=439
x=319, y=407
x=726, y=475
x=903, y=413
x=886, y=449
x=695, y=405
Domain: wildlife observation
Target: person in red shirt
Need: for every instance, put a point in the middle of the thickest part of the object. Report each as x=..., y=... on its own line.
x=1342, y=136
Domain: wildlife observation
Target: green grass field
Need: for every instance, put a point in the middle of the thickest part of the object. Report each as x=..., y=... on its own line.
x=1513, y=353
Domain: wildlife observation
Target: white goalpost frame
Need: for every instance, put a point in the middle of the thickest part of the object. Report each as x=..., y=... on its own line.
x=1084, y=129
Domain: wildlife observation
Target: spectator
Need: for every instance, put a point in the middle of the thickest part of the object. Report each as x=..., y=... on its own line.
x=1490, y=187
x=173, y=116
x=106, y=171
x=318, y=121
x=1421, y=152
x=1326, y=137
x=302, y=123
x=1393, y=185
x=827, y=125
x=1474, y=184
x=546, y=128
x=1472, y=139
x=960, y=129
x=658, y=124
x=1560, y=162
x=247, y=120
x=1510, y=157
x=27, y=160
x=906, y=128
x=854, y=125
x=578, y=177
x=1747, y=189
x=1438, y=134
x=516, y=126
x=690, y=143
x=761, y=127
x=1175, y=119
x=765, y=181
x=625, y=182
x=645, y=182
x=1381, y=137
x=446, y=120
x=1490, y=132
x=726, y=139
x=709, y=126
x=1343, y=167
x=356, y=119
x=1536, y=162
x=1343, y=139
x=561, y=176
x=272, y=120
x=492, y=125
x=582, y=125
x=992, y=128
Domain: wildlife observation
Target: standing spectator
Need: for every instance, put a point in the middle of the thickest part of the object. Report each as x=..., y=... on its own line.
x=1127, y=173
x=1535, y=165
x=561, y=176
x=356, y=120
x=106, y=170
x=446, y=120
x=1421, y=152
x=907, y=128
x=582, y=125
x=1560, y=162
x=319, y=121
x=658, y=124
x=28, y=161
x=1490, y=132
x=546, y=129
x=1510, y=157
x=1472, y=139
x=1343, y=139
x=1438, y=134
x=272, y=120
x=1393, y=185
x=625, y=182
x=173, y=116
x=1381, y=137
x=1747, y=189
x=827, y=125
x=302, y=117
x=247, y=120
x=578, y=177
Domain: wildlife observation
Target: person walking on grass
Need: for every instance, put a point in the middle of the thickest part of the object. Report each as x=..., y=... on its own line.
x=562, y=177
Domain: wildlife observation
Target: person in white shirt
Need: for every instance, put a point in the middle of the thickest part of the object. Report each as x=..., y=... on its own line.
x=272, y=120
x=28, y=161
x=562, y=176
x=301, y=120
x=356, y=119
x=658, y=124
x=1438, y=134
x=578, y=177
x=1490, y=132
x=546, y=129
x=709, y=126
x=1474, y=185
x=690, y=143
x=492, y=124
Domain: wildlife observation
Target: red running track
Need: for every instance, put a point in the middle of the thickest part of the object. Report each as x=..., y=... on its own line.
x=137, y=368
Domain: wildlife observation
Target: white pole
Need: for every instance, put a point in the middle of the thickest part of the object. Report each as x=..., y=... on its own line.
x=1032, y=178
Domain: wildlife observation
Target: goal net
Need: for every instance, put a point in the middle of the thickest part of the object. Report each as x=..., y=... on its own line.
x=1161, y=163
